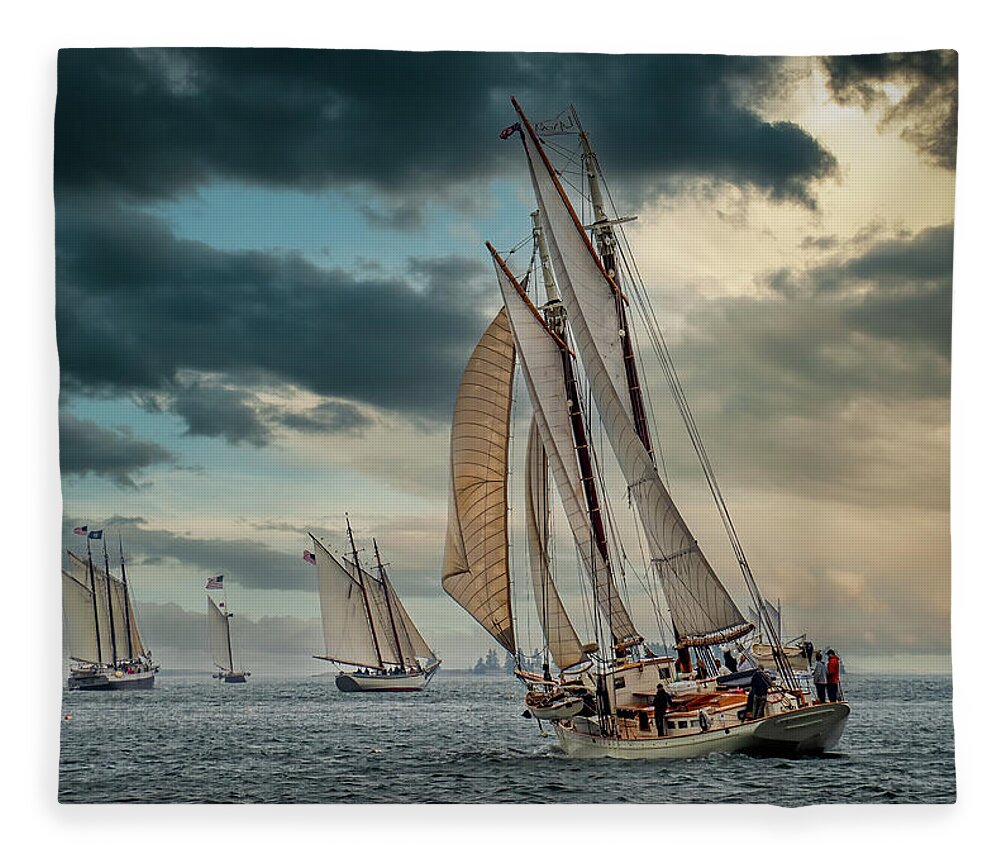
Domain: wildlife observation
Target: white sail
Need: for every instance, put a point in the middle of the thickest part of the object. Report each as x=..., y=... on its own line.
x=78, y=615
x=381, y=620
x=476, y=569
x=346, y=632
x=542, y=362
x=412, y=642
x=701, y=608
x=218, y=637
x=560, y=637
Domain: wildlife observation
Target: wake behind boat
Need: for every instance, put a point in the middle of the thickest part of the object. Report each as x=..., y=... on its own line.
x=577, y=347
x=366, y=626
x=102, y=633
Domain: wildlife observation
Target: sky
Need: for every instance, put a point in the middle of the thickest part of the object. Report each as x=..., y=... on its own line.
x=270, y=274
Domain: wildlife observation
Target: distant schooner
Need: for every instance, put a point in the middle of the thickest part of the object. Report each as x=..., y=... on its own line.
x=221, y=643
x=365, y=625
x=102, y=633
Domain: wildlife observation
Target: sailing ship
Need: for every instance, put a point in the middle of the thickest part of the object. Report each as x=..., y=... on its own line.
x=577, y=348
x=366, y=627
x=105, y=647
x=220, y=641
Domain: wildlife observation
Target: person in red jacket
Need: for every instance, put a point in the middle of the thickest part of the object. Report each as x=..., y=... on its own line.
x=833, y=676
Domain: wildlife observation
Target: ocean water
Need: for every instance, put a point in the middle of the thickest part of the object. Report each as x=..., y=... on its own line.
x=300, y=740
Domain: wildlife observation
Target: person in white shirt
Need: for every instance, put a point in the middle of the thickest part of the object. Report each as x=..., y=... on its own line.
x=819, y=677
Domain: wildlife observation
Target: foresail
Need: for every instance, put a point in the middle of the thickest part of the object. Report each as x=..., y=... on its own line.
x=346, y=633
x=476, y=569
x=542, y=364
x=414, y=645
x=78, y=615
x=560, y=637
x=701, y=608
x=218, y=636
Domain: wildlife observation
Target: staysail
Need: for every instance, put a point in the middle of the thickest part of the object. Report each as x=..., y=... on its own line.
x=701, y=608
x=542, y=356
x=218, y=637
x=476, y=570
x=560, y=637
x=412, y=642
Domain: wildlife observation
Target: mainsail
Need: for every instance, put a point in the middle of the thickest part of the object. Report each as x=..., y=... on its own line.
x=560, y=637
x=476, y=570
x=79, y=571
x=219, y=641
x=542, y=358
x=346, y=631
x=701, y=608
x=78, y=612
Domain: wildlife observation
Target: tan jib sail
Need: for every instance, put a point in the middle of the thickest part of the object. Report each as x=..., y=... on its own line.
x=413, y=644
x=218, y=637
x=701, y=607
x=560, y=637
x=542, y=363
x=476, y=569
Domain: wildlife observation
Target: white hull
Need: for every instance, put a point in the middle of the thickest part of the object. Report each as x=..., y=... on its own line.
x=806, y=731
x=351, y=682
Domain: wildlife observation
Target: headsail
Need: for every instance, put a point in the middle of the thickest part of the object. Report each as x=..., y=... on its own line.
x=701, y=608
x=412, y=642
x=542, y=356
x=476, y=570
x=560, y=637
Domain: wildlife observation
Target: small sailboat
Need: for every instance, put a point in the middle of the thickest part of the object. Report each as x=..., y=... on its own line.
x=105, y=647
x=221, y=643
x=574, y=349
x=366, y=626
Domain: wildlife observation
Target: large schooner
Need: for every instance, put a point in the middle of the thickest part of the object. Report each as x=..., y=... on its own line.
x=105, y=648
x=366, y=626
x=220, y=640
x=577, y=348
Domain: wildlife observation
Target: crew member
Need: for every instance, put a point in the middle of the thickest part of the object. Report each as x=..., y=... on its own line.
x=661, y=704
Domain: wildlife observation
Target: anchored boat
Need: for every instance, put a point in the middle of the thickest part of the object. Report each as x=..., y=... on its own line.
x=366, y=626
x=577, y=347
x=102, y=633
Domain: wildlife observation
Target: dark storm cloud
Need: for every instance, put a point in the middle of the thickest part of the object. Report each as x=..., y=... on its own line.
x=332, y=416
x=408, y=123
x=214, y=411
x=928, y=113
x=905, y=288
x=137, y=306
x=86, y=448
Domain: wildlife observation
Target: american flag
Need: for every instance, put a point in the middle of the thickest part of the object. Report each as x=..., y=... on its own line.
x=80, y=530
x=309, y=556
x=214, y=584
x=507, y=132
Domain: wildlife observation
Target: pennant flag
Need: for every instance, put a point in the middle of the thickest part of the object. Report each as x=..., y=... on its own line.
x=214, y=584
x=507, y=132
x=309, y=556
x=96, y=535
x=565, y=123
x=80, y=530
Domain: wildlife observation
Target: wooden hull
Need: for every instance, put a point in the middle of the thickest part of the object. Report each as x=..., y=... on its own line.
x=562, y=710
x=812, y=730
x=110, y=679
x=350, y=682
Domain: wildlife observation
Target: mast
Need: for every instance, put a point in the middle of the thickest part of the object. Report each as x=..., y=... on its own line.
x=606, y=242
x=128, y=613
x=111, y=611
x=93, y=595
x=364, y=594
x=229, y=641
x=388, y=603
